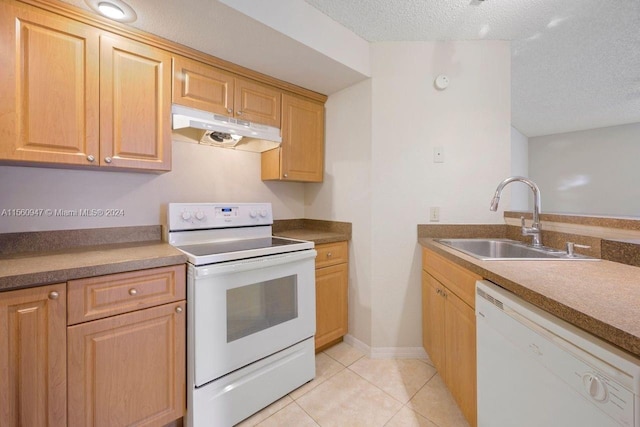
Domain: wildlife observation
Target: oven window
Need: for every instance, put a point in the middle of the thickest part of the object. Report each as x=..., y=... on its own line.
x=259, y=306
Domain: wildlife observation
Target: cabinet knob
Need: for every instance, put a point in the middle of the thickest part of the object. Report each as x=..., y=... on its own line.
x=133, y=291
x=239, y=113
x=178, y=309
x=229, y=110
x=107, y=159
x=329, y=254
x=91, y=158
x=53, y=295
x=286, y=175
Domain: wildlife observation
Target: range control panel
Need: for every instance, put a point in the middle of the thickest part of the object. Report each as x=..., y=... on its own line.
x=200, y=216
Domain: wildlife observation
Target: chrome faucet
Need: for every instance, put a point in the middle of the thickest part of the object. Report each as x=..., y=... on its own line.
x=535, y=228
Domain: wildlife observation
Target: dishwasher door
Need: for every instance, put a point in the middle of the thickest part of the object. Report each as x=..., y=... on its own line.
x=531, y=373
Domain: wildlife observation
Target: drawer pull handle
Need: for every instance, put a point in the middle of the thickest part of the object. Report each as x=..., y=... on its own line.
x=133, y=291
x=53, y=295
x=178, y=309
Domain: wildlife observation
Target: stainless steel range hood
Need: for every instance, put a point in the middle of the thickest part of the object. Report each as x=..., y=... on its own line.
x=222, y=131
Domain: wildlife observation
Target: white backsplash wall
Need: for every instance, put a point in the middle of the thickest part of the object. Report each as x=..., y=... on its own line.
x=591, y=172
x=199, y=174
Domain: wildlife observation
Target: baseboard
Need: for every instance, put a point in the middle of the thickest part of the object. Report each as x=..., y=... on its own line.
x=386, y=352
x=357, y=344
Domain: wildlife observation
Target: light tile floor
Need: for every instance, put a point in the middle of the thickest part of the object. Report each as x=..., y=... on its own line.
x=352, y=390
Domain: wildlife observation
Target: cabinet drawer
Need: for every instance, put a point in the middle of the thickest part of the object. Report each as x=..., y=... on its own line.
x=460, y=281
x=98, y=297
x=331, y=254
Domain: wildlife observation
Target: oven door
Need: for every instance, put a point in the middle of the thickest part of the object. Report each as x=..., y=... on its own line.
x=242, y=311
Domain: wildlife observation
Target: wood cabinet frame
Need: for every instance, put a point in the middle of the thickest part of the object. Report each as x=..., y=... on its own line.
x=449, y=327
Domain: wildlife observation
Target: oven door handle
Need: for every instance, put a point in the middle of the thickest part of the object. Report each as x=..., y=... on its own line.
x=253, y=263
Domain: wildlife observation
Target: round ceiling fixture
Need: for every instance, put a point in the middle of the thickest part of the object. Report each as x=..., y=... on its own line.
x=113, y=9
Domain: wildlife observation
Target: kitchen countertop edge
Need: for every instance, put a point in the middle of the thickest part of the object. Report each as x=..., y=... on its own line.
x=626, y=340
x=39, y=269
x=316, y=236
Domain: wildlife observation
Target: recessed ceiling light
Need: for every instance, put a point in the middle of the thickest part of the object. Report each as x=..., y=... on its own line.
x=113, y=9
x=110, y=10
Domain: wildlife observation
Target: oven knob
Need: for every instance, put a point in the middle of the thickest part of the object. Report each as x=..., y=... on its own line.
x=200, y=215
x=186, y=216
x=253, y=213
x=263, y=213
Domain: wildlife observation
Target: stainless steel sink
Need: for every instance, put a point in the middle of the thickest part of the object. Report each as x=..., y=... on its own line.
x=504, y=249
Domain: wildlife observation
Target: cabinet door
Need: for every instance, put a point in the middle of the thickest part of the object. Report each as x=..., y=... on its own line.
x=433, y=322
x=331, y=303
x=49, y=88
x=128, y=369
x=301, y=155
x=460, y=336
x=202, y=86
x=256, y=102
x=135, y=105
x=33, y=368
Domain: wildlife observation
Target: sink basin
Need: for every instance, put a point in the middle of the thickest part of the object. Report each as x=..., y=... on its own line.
x=504, y=249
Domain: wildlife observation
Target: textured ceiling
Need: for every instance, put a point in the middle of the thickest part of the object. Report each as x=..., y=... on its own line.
x=575, y=63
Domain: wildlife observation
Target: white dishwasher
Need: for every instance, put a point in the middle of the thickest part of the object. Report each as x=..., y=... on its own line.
x=535, y=370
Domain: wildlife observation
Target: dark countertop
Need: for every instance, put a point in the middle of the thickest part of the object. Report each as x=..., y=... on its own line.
x=317, y=231
x=601, y=297
x=41, y=268
x=316, y=236
x=39, y=258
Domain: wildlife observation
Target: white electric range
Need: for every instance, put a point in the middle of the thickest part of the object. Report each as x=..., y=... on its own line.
x=251, y=309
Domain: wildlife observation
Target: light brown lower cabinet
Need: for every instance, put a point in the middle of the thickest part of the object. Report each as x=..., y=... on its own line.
x=126, y=348
x=101, y=351
x=128, y=369
x=449, y=327
x=332, y=301
x=33, y=374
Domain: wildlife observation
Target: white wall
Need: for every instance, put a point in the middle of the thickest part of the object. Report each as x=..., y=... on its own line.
x=345, y=194
x=200, y=174
x=588, y=172
x=408, y=119
x=521, y=195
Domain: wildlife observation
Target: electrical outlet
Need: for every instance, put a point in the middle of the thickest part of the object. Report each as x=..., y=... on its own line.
x=434, y=214
x=438, y=155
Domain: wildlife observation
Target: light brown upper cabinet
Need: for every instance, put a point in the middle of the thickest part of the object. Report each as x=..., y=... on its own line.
x=256, y=102
x=135, y=105
x=72, y=94
x=49, y=91
x=202, y=86
x=208, y=88
x=301, y=155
